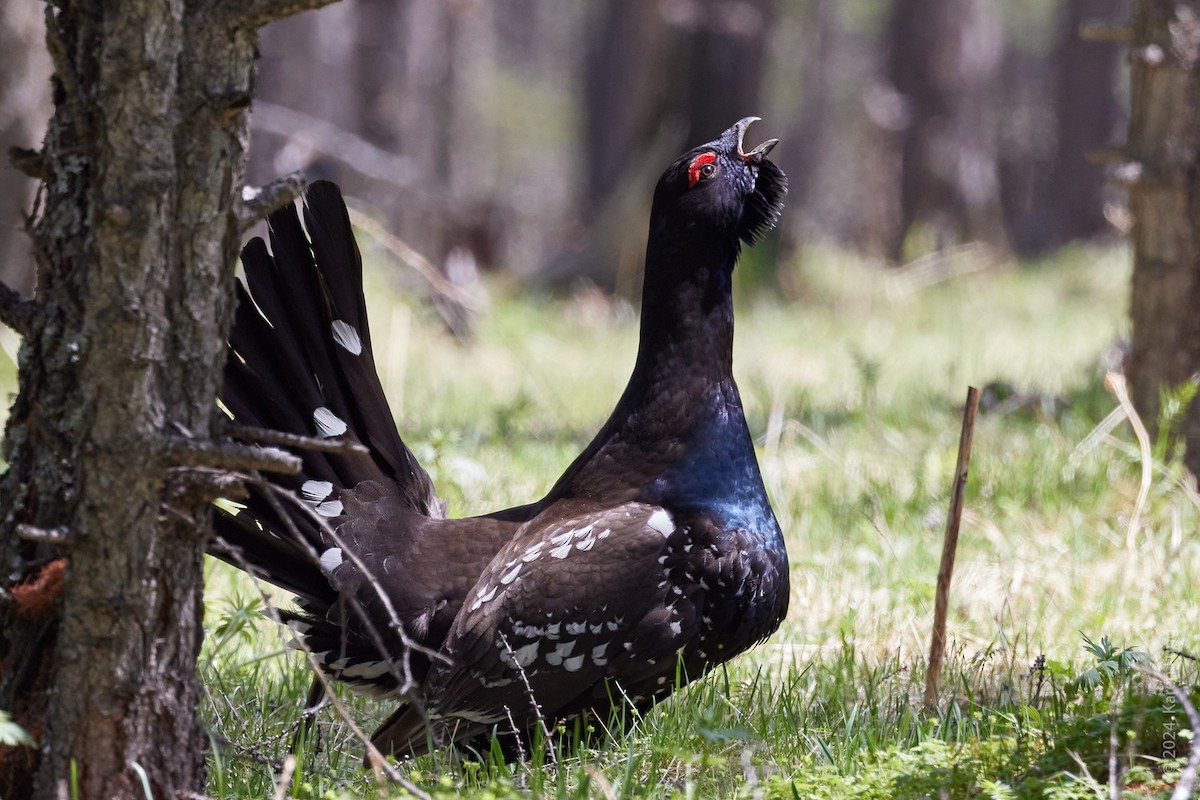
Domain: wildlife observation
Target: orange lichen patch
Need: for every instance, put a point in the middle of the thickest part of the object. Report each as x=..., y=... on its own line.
x=38, y=595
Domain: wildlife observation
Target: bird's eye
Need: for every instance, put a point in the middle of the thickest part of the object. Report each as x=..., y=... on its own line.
x=703, y=166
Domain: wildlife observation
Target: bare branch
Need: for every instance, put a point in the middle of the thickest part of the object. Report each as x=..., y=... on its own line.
x=1115, y=383
x=249, y=433
x=15, y=311
x=407, y=683
x=1181, y=653
x=339, y=144
x=419, y=263
x=231, y=456
x=256, y=204
x=537, y=708
x=285, y=780
x=377, y=758
x=193, y=487
x=27, y=162
x=32, y=533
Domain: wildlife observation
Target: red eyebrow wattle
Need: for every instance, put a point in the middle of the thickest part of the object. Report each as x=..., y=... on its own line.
x=698, y=162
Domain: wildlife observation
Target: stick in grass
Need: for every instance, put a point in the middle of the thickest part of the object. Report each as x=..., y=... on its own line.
x=937, y=641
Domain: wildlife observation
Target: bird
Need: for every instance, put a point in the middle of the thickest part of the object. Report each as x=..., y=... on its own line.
x=654, y=558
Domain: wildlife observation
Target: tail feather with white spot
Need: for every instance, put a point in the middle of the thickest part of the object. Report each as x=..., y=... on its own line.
x=300, y=361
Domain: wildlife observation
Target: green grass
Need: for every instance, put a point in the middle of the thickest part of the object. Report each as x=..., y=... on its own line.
x=853, y=378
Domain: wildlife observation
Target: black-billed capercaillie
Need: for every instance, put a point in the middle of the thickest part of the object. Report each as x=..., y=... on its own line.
x=655, y=556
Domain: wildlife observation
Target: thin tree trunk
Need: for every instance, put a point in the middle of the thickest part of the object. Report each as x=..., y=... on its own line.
x=944, y=58
x=1055, y=196
x=119, y=367
x=1164, y=156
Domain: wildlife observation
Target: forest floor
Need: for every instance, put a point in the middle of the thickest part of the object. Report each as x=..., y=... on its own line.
x=853, y=377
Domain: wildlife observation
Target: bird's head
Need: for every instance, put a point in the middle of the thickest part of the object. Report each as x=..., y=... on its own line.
x=721, y=189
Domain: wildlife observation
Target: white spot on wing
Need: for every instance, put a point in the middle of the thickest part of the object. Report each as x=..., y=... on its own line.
x=561, y=552
x=330, y=508
x=662, y=521
x=331, y=559
x=576, y=628
x=574, y=663
x=316, y=491
x=345, y=335
x=526, y=655
x=328, y=423
x=483, y=598
x=676, y=628
x=511, y=575
x=561, y=651
x=526, y=631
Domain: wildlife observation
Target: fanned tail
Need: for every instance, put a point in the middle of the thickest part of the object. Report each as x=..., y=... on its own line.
x=300, y=361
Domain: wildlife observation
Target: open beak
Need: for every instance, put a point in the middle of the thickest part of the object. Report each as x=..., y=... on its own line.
x=758, y=153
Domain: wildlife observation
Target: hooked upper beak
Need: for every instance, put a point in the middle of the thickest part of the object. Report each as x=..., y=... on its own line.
x=758, y=153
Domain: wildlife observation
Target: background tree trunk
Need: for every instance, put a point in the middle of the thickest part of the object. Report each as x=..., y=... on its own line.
x=24, y=108
x=1163, y=172
x=944, y=59
x=119, y=367
x=1058, y=195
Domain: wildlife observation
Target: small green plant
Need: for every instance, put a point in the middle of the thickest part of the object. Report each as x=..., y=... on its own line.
x=1111, y=667
x=1173, y=404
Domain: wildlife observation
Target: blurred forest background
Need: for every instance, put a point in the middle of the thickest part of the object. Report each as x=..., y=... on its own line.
x=525, y=135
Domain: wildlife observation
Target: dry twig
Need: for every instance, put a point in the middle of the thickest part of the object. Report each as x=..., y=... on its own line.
x=937, y=641
x=1115, y=382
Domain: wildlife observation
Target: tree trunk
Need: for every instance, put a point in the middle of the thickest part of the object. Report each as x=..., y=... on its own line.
x=1068, y=192
x=105, y=509
x=944, y=58
x=1087, y=110
x=1163, y=154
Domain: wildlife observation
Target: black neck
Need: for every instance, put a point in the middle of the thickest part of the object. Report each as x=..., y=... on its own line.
x=684, y=367
x=687, y=315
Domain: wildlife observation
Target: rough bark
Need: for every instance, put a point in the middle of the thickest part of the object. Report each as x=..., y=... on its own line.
x=140, y=225
x=1162, y=171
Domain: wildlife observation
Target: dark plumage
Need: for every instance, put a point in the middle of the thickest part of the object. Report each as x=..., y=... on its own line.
x=655, y=555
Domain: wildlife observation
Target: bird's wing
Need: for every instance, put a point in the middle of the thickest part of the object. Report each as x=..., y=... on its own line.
x=567, y=605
